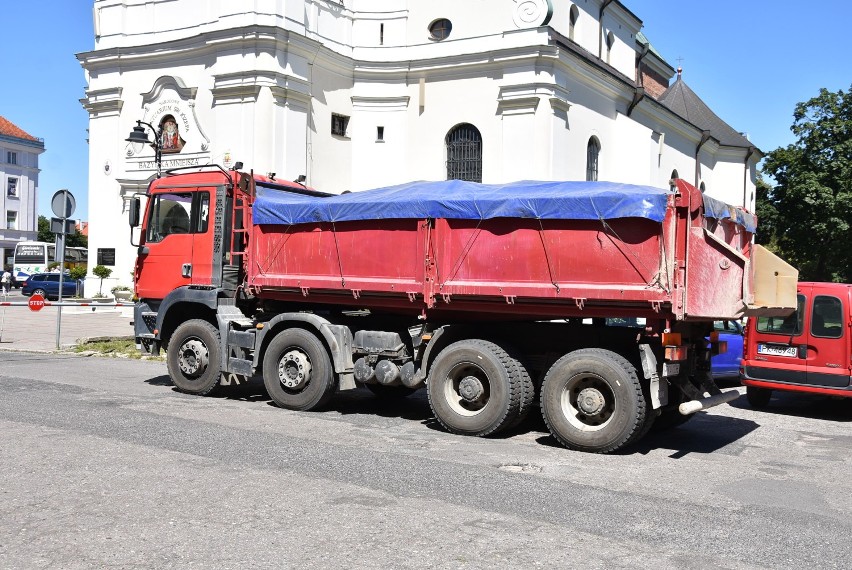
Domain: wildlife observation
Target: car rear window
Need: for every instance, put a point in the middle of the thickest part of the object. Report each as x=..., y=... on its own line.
x=789, y=325
x=39, y=277
x=827, y=317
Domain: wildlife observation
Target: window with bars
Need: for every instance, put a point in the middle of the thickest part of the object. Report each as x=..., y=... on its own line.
x=12, y=187
x=339, y=124
x=464, y=153
x=593, y=151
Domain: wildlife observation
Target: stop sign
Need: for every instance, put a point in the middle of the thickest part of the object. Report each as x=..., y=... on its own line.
x=36, y=302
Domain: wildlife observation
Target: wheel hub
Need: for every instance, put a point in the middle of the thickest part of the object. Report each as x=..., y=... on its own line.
x=590, y=401
x=470, y=388
x=294, y=369
x=193, y=358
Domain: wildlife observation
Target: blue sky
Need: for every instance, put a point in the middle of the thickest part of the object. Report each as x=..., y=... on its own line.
x=751, y=61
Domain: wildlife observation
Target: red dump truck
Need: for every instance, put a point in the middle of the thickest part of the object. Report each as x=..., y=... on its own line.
x=496, y=298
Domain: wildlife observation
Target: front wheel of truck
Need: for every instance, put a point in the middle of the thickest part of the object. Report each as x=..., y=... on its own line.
x=592, y=400
x=297, y=371
x=193, y=357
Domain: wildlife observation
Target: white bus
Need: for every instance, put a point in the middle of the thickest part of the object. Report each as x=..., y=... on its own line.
x=31, y=257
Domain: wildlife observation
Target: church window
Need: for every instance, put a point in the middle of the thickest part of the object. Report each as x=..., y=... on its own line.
x=593, y=151
x=464, y=153
x=440, y=29
x=339, y=124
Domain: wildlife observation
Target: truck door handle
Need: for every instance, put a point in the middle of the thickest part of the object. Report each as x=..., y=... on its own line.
x=186, y=270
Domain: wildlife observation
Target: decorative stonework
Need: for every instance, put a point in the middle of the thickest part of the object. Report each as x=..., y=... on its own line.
x=532, y=13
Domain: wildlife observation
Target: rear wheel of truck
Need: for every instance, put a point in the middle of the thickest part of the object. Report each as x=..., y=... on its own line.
x=474, y=388
x=592, y=400
x=297, y=371
x=193, y=357
x=758, y=397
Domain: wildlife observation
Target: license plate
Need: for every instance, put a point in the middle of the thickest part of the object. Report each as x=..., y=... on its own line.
x=788, y=351
x=671, y=368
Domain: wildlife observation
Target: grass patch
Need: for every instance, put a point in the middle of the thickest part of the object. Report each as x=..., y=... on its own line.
x=114, y=348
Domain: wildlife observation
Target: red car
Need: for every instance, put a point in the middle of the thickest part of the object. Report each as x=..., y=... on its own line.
x=808, y=351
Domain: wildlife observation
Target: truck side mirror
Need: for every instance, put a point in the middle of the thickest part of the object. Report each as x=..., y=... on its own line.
x=133, y=214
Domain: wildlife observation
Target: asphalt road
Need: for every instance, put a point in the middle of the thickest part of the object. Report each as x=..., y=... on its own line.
x=104, y=465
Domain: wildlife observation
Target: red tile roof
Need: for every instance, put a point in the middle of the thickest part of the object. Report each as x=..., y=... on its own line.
x=10, y=129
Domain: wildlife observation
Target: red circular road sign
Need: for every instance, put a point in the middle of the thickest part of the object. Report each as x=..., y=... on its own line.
x=36, y=302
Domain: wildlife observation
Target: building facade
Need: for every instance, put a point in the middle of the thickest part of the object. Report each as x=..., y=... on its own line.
x=366, y=93
x=19, y=152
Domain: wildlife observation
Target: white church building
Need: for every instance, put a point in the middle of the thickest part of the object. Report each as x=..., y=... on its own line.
x=359, y=94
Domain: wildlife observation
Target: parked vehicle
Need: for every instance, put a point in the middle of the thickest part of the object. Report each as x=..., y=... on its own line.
x=726, y=363
x=806, y=351
x=31, y=257
x=238, y=274
x=47, y=285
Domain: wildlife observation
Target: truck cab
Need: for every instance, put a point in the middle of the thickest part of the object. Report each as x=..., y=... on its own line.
x=806, y=351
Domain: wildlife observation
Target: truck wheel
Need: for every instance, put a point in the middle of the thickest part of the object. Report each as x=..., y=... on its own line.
x=193, y=357
x=474, y=388
x=591, y=400
x=297, y=370
x=390, y=392
x=758, y=397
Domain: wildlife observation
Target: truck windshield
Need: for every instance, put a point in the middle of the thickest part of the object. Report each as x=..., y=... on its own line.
x=170, y=214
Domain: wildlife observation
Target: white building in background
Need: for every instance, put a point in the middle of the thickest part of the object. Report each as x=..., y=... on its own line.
x=364, y=93
x=19, y=152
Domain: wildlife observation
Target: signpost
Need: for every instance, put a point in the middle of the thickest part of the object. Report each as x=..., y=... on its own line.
x=36, y=303
x=63, y=205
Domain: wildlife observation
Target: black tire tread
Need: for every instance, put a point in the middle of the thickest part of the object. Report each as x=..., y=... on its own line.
x=639, y=423
x=514, y=388
x=176, y=341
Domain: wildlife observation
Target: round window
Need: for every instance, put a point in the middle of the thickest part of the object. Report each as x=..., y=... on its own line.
x=440, y=29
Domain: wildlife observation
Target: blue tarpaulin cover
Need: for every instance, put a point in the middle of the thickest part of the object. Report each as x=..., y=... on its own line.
x=456, y=199
x=714, y=208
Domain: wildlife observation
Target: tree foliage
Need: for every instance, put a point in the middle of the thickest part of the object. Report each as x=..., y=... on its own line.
x=76, y=239
x=808, y=214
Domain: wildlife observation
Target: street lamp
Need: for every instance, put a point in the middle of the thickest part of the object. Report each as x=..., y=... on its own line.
x=138, y=135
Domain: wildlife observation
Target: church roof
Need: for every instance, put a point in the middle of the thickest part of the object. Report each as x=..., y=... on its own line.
x=10, y=129
x=683, y=101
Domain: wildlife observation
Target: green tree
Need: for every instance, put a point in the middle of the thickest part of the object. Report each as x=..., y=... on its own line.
x=101, y=272
x=76, y=239
x=809, y=211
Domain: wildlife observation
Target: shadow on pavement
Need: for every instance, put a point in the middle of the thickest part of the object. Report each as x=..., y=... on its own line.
x=800, y=405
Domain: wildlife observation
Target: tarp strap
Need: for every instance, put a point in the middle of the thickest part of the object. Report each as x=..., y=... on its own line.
x=547, y=255
x=463, y=254
x=339, y=260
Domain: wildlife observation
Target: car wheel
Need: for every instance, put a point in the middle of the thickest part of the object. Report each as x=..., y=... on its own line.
x=41, y=292
x=758, y=397
x=592, y=400
x=193, y=357
x=474, y=388
x=297, y=371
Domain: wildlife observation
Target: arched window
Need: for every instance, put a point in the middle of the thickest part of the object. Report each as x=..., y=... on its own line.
x=573, y=14
x=464, y=153
x=593, y=152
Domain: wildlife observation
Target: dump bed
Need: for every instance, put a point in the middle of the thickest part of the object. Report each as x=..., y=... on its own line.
x=524, y=250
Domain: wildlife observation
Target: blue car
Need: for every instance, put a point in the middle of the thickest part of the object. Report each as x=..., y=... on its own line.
x=47, y=285
x=727, y=365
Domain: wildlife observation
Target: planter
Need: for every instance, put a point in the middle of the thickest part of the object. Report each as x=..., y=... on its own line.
x=123, y=296
x=104, y=300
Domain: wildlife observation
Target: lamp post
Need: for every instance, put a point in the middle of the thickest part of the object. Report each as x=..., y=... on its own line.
x=138, y=135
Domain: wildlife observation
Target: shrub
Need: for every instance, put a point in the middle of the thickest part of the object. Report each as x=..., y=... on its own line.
x=101, y=272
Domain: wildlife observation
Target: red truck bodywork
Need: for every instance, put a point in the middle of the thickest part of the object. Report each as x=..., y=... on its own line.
x=457, y=304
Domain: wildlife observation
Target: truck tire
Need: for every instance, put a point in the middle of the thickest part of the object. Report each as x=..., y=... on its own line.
x=474, y=388
x=193, y=357
x=758, y=397
x=297, y=370
x=525, y=385
x=592, y=400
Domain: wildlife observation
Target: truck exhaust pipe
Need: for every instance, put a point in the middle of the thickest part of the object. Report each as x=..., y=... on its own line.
x=693, y=406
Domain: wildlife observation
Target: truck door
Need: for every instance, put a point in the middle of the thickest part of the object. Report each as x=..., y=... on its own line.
x=166, y=254
x=827, y=348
